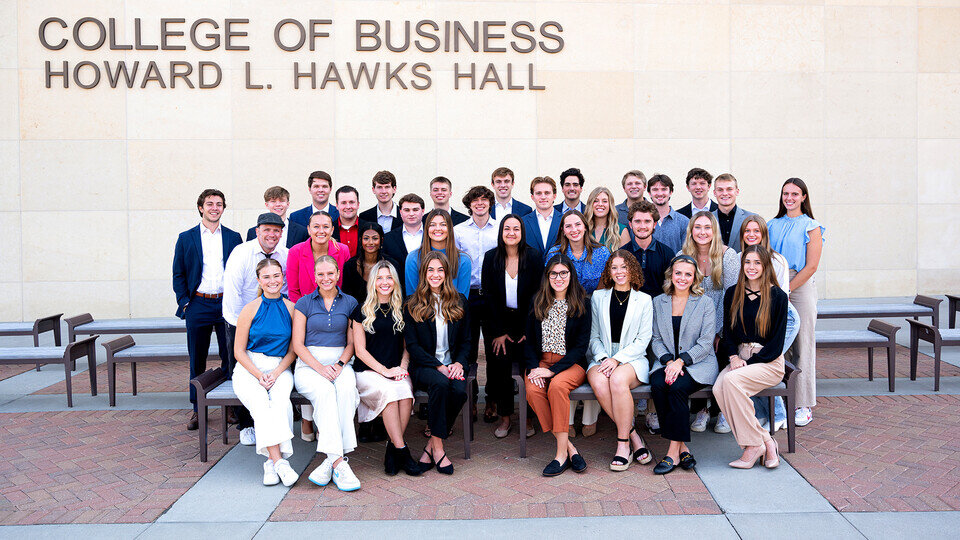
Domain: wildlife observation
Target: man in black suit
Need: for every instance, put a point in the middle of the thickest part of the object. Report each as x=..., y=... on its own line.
x=277, y=200
x=399, y=242
x=441, y=189
x=571, y=186
x=502, y=182
x=320, y=185
x=385, y=213
x=346, y=227
x=698, y=184
x=198, y=263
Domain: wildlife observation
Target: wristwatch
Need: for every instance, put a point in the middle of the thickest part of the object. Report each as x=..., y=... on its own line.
x=341, y=363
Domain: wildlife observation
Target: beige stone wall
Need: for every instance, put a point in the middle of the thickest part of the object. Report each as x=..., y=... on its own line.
x=860, y=98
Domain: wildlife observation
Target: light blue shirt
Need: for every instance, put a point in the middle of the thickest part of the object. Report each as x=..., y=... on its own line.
x=672, y=230
x=588, y=272
x=475, y=241
x=789, y=237
x=411, y=268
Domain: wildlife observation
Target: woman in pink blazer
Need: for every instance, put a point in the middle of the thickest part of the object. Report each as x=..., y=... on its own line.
x=300, y=277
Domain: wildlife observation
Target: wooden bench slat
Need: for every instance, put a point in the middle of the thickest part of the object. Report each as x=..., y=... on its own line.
x=141, y=352
x=16, y=328
x=133, y=326
x=31, y=353
x=856, y=338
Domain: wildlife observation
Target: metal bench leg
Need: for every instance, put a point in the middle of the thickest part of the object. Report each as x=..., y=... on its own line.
x=92, y=363
x=69, y=380
x=522, y=428
x=914, y=349
x=936, y=365
x=112, y=380
x=223, y=422
x=467, y=423
x=770, y=415
x=788, y=401
x=892, y=366
x=202, y=417
x=133, y=376
x=870, y=363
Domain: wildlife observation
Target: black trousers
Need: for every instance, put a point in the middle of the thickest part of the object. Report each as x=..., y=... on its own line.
x=476, y=309
x=244, y=420
x=499, y=386
x=445, y=398
x=672, y=403
x=203, y=317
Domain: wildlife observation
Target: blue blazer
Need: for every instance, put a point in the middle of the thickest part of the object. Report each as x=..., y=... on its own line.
x=302, y=216
x=519, y=209
x=562, y=208
x=534, y=239
x=188, y=262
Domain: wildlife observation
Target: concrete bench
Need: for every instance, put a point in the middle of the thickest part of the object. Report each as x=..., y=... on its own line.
x=67, y=356
x=35, y=328
x=938, y=337
x=214, y=390
x=785, y=389
x=953, y=306
x=85, y=325
x=922, y=306
x=125, y=350
x=877, y=335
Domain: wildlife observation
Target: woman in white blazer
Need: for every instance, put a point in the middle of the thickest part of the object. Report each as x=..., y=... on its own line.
x=620, y=330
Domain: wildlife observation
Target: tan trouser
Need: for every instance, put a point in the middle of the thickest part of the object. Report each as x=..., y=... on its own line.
x=734, y=388
x=804, y=347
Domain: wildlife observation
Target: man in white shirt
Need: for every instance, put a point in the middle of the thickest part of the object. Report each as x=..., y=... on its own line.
x=240, y=288
x=542, y=225
x=502, y=182
x=571, y=183
x=402, y=240
x=385, y=213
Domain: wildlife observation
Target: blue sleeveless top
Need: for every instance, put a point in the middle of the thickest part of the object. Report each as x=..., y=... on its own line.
x=271, y=328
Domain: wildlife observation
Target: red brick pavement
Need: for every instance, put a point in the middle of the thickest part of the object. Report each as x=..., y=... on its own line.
x=852, y=363
x=883, y=453
x=8, y=371
x=151, y=377
x=498, y=484
x=97, y=467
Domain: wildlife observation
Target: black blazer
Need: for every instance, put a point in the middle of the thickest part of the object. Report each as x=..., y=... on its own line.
x=297, y=233
x=336, y=229
x=371, y=216
x=188, y=262
x=353, y=283
x=421, y=339
x=577, y=335
x=495, y=294
x=688, y=209
x=456, y=217
x=302, y=216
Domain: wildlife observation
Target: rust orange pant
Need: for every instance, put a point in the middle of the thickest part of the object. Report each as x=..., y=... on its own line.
x=552, y=403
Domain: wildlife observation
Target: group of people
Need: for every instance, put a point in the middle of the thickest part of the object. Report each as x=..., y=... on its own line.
x=357, y=309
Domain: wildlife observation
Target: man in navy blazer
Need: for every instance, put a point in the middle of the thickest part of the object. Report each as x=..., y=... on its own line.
x=543, y=190
x=502, y=182
x=571, y=184
x=385, y=213
x=277, y=200
x=698, y=184
x=198, y=263
x=399, y=242
x=320, y=185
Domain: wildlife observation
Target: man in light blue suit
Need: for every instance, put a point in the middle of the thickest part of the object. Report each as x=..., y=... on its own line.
x=729, y=216
x=543, y=224
x=320, y=185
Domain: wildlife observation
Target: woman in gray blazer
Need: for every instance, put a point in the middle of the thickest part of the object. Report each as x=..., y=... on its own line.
x=684, y=326
x=620, y=330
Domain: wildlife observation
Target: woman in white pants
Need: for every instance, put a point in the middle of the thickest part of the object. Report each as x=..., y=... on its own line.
x=262, y=377
x=324, y=345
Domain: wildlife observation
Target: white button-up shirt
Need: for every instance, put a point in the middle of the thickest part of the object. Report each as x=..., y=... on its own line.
x=385, y=220
x=503, y=209
x=694, y=209
x=443, y=343
x=475, y=241
x=412, y=241
x=240, y=277
x=544, y=223
x=211, y=247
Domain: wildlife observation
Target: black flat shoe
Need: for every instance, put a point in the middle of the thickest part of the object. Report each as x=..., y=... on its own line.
x=490, y=416
x=390, y=465
x=687, y=461
x=555, y=468
x=577, y=463
x=665, y=466
x=444, y=470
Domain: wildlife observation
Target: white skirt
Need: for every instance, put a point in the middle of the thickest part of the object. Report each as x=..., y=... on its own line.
x=377, y=391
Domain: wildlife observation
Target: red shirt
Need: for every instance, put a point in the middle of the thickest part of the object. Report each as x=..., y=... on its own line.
x=349, y=237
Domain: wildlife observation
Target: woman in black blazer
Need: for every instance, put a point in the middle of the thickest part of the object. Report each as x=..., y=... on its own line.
x=558, y=330
x=511, y=276
x=437, y=333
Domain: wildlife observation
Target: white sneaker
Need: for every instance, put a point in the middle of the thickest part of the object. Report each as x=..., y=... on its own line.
x=803, y=416
x=700, y=422
x=309, y=437
x=286, y=473
x=777, y=426
x=322, y=474
x=270, y=477
x=721, y=426
x=248, y=437
x=653, y=423
x=344, y=478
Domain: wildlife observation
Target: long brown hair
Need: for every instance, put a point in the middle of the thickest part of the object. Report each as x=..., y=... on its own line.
x=421, y=302
x=634, y=271
x=576, y=295
x=805, y=206
x=767, y=280
x=451, y=244
x=589, y=243
x=764, y=231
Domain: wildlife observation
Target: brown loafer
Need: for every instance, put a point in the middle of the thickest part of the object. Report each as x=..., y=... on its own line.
x=194, y=422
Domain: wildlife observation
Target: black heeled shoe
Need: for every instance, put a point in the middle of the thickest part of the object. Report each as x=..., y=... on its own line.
x=642, y=455
x=406, y=461
x=620, y=463
x=424, y=466
x=390, y=460
x=448, y=470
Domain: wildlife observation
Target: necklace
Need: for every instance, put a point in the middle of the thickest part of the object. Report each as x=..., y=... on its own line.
x=617, y=296
x=384, y=311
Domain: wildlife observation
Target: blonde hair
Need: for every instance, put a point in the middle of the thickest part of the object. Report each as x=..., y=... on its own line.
x=716, y=247
x=696, y=288
x=610, y=236
x=372, y=304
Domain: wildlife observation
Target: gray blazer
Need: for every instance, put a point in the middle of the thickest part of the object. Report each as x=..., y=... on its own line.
x=738, y=218
x=696, y=336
